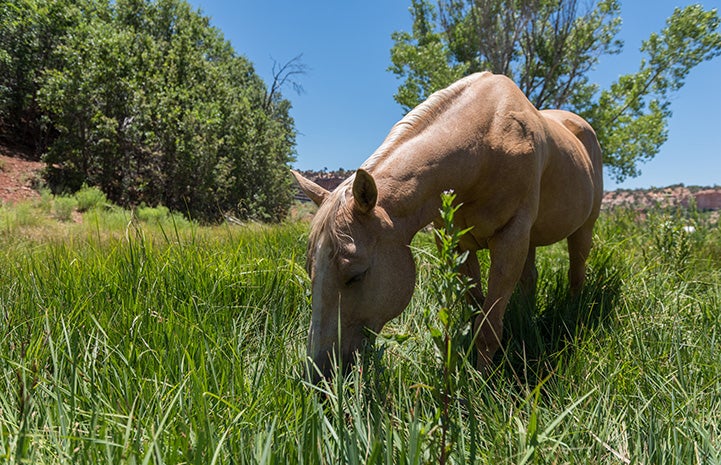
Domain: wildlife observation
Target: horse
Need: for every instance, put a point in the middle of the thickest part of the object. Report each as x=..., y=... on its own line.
x=524, y=178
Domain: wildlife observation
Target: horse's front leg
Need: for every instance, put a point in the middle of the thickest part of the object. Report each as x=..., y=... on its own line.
x=469, y=268
x=529, y=277
x=508, y=251
x=472, y=269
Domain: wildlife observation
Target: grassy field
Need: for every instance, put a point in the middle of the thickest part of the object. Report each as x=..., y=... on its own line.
x=159, y=341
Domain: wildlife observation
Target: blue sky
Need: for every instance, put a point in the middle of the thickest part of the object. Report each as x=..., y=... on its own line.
x=347, y=107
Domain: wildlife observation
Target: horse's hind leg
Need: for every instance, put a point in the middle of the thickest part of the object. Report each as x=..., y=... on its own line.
x=579, y=247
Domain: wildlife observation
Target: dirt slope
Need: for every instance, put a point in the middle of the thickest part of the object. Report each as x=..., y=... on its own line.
x=17, y=176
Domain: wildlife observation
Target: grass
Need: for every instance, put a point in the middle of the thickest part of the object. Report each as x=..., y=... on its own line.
x=160, y=341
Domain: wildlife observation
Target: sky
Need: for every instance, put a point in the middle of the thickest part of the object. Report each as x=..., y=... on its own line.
x=347, y=107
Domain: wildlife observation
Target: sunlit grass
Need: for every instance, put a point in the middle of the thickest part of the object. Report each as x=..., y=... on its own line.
x=141, y=341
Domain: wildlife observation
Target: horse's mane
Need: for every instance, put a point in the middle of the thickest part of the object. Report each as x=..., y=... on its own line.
x=334, y=214
x=329, y=220
x=420, y=118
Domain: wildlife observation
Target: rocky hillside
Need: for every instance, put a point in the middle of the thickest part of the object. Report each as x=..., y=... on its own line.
x=674, y=196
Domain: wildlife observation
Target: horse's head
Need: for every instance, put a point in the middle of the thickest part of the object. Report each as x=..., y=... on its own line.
x=361, y=269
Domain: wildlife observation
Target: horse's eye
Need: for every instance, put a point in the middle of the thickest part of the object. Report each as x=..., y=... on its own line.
x=356, y=278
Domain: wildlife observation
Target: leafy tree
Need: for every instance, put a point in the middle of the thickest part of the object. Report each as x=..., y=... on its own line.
x=30, y=32
x=548, y=47
x=148, y=102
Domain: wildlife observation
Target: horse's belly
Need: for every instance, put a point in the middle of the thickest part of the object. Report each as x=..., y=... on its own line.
x=561, y=216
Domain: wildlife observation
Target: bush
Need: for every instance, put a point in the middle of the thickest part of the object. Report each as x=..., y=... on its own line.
x=18, y=215
x=64, y=207
x=89, y=198
x=45, y=203
x=152, y=215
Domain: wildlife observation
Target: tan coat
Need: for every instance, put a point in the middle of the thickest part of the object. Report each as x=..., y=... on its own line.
x=526, y=178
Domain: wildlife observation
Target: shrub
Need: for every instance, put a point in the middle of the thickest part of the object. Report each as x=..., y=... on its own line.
x=673, y=242
x=152, y=215
x=18, y=215
x=89, y=198
x=45, y=203
x=64, y=207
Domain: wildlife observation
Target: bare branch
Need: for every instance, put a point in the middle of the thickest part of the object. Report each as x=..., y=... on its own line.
x=284, y=74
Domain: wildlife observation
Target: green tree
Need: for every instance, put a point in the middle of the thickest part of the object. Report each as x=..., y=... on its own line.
x=148, y=102
x=548, y=47
x=30, y=32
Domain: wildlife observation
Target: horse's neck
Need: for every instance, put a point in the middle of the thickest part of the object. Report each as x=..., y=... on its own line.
x=411, y=192
x=426, y=153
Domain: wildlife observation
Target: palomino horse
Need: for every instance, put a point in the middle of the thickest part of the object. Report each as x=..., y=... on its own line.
x=526, y=178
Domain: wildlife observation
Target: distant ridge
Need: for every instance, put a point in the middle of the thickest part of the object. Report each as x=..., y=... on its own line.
x=705, y=198
x=326, y=179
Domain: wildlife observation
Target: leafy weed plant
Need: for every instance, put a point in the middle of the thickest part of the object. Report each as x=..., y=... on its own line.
x=452, y=336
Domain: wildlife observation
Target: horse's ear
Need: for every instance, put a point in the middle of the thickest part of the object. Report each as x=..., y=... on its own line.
x=316, y=193
x=365, y=192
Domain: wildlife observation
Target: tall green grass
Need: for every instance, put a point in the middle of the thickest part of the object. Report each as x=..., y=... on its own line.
x=131, y=342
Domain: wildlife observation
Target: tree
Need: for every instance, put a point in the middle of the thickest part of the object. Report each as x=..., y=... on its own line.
x=30, y=32
x=549, y=47
x=147, y=101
